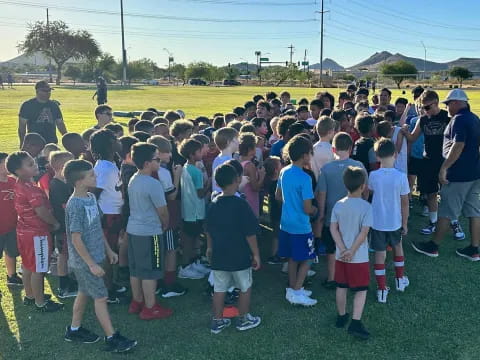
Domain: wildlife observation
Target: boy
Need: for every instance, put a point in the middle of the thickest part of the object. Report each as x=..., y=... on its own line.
x=35, y=223
x=74, y=143
x=59, y=193
x=87, y=247
x=226, y=140
x=232, y=249
x=350, y=223
x=322, y=150
x=285, y=99
x=390, y=216
x=33, y=144
x=329, y=190
x=108, y=190
x=282, y=130
x=193, y=203
x=8, y=236
x=387, y=130
x=294, y=189
x=363, y=148
x=148, y=218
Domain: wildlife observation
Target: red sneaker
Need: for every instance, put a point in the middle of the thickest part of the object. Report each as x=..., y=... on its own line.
x=156, y=312
x=135, y=307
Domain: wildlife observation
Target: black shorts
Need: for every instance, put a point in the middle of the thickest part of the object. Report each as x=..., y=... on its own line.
x=380, y=239
x=193, y=228
x=171, y=238
x=428, y=176
x=8, y=242
x=414, y=166
x=328, y=241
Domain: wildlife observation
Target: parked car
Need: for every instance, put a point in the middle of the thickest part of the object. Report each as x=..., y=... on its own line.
x=151, y=82
x=197, y=82
x=228, y=82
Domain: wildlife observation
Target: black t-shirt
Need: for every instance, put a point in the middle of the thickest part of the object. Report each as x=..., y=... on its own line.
x=59, y=194
x=42, y=118
x=433, y=129
x=126, y=173
x=229, y=221
x=363, y=152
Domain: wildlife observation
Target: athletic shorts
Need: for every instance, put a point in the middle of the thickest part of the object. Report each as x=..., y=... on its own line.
x=328, y=241
x=224, y=280
x=171, y=238
x=298, y=247
x=146, y=255
x=428, y=176
x=90, y=284
x=353, y=276
x=458, y=198
x=414, y=166
x=8, y=243
x=193, y=228
x=112, y=225
x=379, y=240
x=60, y=242
x=35, y=250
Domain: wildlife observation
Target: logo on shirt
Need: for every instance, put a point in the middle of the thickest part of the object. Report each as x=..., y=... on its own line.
x=92, y=213
x=45, y=116
x=8, y=195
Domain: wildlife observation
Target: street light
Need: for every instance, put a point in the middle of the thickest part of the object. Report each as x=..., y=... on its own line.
x=170, y=60
x=424, y=62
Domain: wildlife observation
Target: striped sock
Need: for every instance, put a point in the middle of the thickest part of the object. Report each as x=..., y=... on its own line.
x=380, y=276
x=399, y=265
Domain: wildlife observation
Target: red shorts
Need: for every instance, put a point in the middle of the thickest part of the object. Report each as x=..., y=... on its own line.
x=353, y=276
x=35, y=250
x=112, y=225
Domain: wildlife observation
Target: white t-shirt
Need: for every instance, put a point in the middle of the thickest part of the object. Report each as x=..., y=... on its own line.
x=165, y=179
x=352, y=214
x=109, y=180
x=322, y=154
x=401, y=162
x=219, y=160
x=388, y=185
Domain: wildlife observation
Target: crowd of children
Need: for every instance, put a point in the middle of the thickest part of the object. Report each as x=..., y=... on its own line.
x=114, y=207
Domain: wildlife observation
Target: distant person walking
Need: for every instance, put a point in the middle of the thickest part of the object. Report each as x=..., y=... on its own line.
x=1, y=82
x=10, y=80
x=41, y=115
x=101, y=92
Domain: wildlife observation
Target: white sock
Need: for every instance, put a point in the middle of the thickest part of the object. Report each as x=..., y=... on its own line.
x=453, y=222
x=74, y=328
x=433, y=216
x=210, y=278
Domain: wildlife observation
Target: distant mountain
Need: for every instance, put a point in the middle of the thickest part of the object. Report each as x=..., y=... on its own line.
x=472, y=64
x=328, y=64
x=374, y=62
x=37, y=59
x=375, y=59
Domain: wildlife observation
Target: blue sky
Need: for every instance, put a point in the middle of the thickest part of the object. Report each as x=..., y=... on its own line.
x=354, y=29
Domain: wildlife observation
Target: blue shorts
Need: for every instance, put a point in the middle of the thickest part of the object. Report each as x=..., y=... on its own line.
x=298, y=247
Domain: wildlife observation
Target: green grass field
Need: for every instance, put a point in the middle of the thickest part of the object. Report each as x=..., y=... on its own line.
x=434, y=319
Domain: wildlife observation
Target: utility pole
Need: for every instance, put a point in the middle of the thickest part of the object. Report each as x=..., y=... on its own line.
x=305, y=61
x=124, y=51
x=170, y=61
x=259, y=66
x=291, y=47
x=424, y=62
x=49, y=45
x=321, y=45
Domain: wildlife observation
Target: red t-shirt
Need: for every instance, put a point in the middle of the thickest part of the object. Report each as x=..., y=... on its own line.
x=8, y=215
x=354, y=134
x=44, y=181
x=28, y=197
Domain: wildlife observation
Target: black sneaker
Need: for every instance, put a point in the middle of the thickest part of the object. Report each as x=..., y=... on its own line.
x=31, y=301
x=357, y=329
x=329, y=285
x=14, y=280
x=275, y=260
x=49, y=306
x=116, y=298
x=470, y=253
x=65, y=293
x=173, y=290
x=119, y=344
x=81, y=335
x=342, y=320
x=428, y=248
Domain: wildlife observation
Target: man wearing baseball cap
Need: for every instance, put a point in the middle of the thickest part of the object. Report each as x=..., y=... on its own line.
x=459, y=176
x=41, y=115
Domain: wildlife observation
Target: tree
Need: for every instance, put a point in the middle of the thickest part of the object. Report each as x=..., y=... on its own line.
x=59, y=43
x=280, y=74
x=179, y=72
x=200, y=70
x=74, y=73
x=106, y=65
x=461, y=74
x=399, y=71
x=231, y=72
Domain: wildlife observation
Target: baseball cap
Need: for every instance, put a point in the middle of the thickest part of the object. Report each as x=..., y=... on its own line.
x=42, y=84
x=351, y=87
x=362, y=91
x=456, y=94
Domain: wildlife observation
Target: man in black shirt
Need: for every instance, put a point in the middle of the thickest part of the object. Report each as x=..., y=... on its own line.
x=41, y=115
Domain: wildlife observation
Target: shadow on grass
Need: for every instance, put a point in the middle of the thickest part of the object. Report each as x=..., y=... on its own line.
x=8, y=341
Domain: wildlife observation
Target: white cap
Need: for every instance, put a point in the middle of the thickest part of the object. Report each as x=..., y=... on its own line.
x=456, y=94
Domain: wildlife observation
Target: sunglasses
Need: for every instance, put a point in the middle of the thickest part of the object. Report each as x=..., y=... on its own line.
x=427, y=107
x=157, y=160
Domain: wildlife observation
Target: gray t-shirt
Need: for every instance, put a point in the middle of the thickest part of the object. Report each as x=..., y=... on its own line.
x=352, y=214
x=330, y=181
x=146, y=195
x=82, y=215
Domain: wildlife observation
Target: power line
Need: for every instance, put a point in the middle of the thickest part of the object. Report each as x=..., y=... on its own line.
x=154, y=16
x=248, y=3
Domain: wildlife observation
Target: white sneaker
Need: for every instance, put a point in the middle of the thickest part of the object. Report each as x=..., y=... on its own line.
x=382, y=295
x=311, y=273
x=188, y=272
x=304, y=292
x=285, y=267
x=300, y=299
x=402, y=283
x=199, y=267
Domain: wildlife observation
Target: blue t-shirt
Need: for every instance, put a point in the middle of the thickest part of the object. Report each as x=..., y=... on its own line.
x=277, y=147
x=418, y=146
x=296, y=186
x=463, y=127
